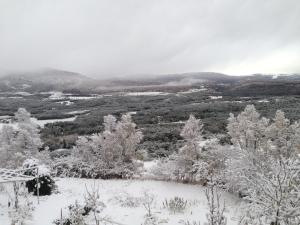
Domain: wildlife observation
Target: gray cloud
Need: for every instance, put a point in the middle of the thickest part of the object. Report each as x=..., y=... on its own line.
x=119, y=37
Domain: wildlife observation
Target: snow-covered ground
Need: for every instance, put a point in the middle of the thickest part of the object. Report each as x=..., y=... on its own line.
x=215, y=97
x=114, y=192
x=263, y=101
x=42, y=123
x=77, y=112
x=145, y=93
x=11, y=97
x=68, y=102
x=56, y=95
x=84, y=97
x=194, y=90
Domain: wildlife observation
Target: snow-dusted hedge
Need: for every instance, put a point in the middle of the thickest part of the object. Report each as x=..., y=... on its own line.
x=70, y=167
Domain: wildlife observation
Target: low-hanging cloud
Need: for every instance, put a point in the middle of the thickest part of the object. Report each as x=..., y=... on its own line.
x=119, y=37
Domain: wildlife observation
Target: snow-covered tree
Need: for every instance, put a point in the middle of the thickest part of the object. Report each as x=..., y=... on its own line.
x=28, y=136
x=127, y=137
x=19, y=141
x=189, y=154
x=192, y=134
x=85, y=150
x=265, y=166
x=283, y=137
x=274, y=194
x=247, y=129
x=110, y=123
x=111, y=151
x=7, y=140
x=22, y=116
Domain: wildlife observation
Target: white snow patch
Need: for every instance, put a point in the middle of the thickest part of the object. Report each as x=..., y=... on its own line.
x=5, y=117
x=42, y=123
x=71, y=190
x=66, y=103
x=132, y=113
x=216, y=97
x=146, y=93
x=150, y=164
x=23, y=93
x=263, y=101
x=56, y=95
x=232, y=101
x=83, y=97
x=11, y=97
x=194, y=90
x=176, y=122
x=77, y=112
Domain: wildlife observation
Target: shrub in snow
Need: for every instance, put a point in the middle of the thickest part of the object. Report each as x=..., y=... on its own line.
x=215, y=216
x=208, y=164
x=93, y=203
x=150, y=220
x=43, y=186
x=21, y=214
x=58, y=153
x=163, y=169
x=20, y=208
x=127, y=200
x=142, y=154
x=187, y=222
x=76, y=216
x=175, y=205
x=42, y=183
x=148, y=201
x=91, y=210
x=197, y=161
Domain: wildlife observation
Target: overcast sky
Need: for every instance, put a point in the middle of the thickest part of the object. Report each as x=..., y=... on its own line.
x=119, y=37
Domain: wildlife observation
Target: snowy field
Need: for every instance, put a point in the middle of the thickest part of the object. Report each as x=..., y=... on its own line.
x=114, y=192
x=42, y=123
x=145, y=93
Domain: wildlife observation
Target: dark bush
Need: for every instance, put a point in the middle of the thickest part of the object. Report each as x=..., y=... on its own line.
x=47, y=185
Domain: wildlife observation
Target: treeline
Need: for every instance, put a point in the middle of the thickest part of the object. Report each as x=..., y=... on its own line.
x=159, y=119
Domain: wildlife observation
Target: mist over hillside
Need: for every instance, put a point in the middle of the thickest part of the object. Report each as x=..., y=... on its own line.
x=65, y=81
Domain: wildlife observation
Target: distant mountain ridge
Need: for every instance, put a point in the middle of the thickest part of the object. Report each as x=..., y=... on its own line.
x=45, y=80
x=59, y=80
